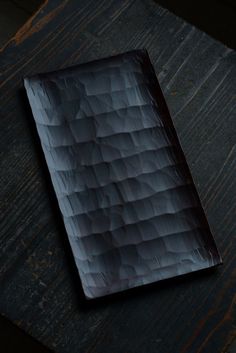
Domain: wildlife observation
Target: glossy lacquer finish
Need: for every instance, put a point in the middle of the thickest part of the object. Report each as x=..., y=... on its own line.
x=128, y=201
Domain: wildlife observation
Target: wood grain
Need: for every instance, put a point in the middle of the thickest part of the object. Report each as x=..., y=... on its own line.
x=40, y=289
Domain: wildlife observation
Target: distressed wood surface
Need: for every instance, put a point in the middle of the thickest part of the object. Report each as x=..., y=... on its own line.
x=40, y=288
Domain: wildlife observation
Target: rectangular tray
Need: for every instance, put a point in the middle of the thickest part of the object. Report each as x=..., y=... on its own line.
x=129, y=204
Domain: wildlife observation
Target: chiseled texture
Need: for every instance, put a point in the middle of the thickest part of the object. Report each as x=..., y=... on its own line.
x=128, y=201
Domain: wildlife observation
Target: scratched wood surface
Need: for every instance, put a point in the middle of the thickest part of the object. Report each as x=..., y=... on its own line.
x=40, y=289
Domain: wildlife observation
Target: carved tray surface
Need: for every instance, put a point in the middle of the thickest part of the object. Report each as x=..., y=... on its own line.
x=129, y=204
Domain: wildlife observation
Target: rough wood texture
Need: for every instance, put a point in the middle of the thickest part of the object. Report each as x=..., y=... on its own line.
x=39, y=285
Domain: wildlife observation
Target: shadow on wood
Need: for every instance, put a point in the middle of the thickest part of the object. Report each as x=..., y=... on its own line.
x=217, y=18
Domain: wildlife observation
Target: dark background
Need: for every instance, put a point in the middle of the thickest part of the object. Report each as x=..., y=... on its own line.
x=217, y=18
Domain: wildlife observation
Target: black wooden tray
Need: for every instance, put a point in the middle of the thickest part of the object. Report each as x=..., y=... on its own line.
x=129, y=204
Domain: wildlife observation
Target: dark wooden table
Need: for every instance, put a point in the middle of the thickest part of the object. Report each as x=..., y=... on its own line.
x=40, y=289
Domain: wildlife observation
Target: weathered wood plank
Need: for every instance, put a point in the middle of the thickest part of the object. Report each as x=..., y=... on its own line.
x=40, y=288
